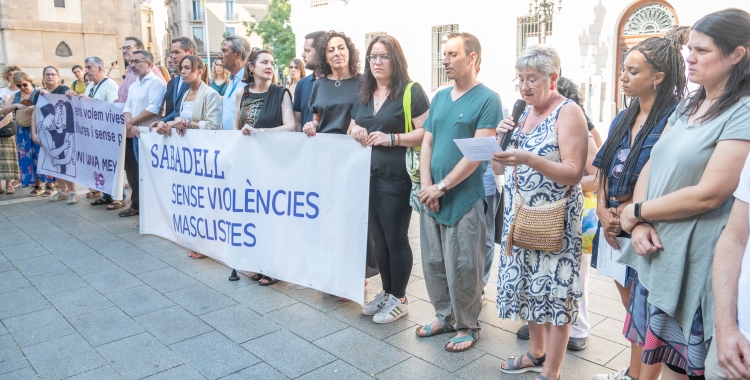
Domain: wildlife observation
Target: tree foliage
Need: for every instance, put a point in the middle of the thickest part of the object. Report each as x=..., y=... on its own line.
x=276, y=31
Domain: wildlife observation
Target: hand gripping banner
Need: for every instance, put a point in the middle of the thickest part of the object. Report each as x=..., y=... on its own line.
x=285, y=205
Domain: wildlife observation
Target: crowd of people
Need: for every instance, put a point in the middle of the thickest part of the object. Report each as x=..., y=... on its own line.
x=665, y=180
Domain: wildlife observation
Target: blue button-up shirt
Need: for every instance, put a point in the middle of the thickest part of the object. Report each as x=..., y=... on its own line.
x=229, y=105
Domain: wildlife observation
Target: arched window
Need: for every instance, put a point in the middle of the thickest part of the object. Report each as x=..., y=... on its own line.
x=63, y=50
x=644, y=19
x=649, y=19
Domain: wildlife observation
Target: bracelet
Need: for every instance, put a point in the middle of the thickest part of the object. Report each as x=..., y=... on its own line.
x=391, y=137
x=398, y=139
x=349, y=131
x=640, y=223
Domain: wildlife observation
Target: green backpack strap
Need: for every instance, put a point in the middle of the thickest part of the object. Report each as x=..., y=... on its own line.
x=408, y=126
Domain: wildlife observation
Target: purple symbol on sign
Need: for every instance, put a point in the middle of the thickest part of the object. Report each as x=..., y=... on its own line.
x=99, y=179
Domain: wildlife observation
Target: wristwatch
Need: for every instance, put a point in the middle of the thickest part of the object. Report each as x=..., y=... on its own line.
x=637, y=212
x=443, y=187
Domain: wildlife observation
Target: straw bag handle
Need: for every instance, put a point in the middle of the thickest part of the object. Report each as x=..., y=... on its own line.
x=515, y=168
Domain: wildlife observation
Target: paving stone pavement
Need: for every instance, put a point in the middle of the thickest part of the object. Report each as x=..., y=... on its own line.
x=84, y=296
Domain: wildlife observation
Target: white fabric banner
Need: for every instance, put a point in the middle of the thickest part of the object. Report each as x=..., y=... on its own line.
x=82, y=140
x=285, y=205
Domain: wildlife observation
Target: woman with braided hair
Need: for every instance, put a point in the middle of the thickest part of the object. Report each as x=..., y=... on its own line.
x=654, y=77
x=682, y=200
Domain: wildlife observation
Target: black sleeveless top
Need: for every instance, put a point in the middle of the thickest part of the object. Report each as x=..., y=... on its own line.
x=270, y=114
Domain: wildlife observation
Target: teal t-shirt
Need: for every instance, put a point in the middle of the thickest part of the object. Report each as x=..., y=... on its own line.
x=479, y=108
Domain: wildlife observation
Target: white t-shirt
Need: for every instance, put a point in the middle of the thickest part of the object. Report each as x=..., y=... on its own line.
x=5, y=91
x=743, y=301
x=105, y=90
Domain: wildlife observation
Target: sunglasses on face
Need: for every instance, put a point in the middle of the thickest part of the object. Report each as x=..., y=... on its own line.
x=24, y=85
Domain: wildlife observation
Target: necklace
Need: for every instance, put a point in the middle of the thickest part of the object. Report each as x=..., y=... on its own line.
x=545, y=106
x=377, y=102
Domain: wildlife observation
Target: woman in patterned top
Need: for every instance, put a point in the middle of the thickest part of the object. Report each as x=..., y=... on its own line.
x=542, y=287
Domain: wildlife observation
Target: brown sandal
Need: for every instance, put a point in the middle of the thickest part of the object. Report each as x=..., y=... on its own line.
x=36, y=192
x=93, y=194
x=116, y=206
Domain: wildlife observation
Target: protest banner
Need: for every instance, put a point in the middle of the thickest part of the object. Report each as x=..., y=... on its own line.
x=82, y=141
x=285, y=205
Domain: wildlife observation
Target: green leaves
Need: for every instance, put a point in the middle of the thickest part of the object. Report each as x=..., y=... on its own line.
x=276, y=32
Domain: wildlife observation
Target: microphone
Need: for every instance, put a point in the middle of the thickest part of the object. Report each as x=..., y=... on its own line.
x=517, y=111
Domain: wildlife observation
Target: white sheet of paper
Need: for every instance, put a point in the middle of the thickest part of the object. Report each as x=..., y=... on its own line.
x=478, y=149
x=606, y=262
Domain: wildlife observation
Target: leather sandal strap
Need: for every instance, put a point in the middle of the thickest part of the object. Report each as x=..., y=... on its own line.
x=536, y=361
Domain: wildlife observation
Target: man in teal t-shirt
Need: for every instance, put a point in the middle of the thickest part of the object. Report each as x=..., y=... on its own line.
x=453, y=230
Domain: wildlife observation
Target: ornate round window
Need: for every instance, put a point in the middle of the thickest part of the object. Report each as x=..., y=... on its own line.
x=649, y=19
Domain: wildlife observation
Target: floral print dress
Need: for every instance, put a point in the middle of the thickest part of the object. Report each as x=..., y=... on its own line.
x=540, y=286
x=28, y=150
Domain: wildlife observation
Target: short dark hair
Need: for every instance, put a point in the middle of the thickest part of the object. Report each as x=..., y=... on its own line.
x=399, y=70
x=146, y=55
x=320, y=51
x=76, y=67
x=186, y=44
x=137, y=41
x=471, y=44
x=315, y=36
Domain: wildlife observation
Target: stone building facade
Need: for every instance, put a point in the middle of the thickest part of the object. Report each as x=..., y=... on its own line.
x=62, y=33
x=592, y=36
x=189, y=18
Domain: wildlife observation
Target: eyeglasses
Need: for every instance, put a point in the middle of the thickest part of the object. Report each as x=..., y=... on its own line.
x=622, y=156
x=532, y=83
x=126, y=48
x=24, y=85
x=382, y=57
x=293, y=67
x=136, y=61
x=50, y=75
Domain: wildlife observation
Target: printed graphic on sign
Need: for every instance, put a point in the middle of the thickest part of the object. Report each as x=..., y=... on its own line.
x=56, y=132
x=82, y=140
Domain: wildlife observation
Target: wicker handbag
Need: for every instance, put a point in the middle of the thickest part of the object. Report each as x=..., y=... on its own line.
x=537, y=227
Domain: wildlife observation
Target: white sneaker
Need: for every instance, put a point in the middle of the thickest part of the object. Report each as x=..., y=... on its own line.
x=72, y=198
x=58, y=195
x=375, y=305
x=392, y=310
x=619, y=375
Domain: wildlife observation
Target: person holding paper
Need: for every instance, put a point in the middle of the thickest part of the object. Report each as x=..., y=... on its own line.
x=544, y=167
x=378, y=121
x=452, y=225
x=654, y=79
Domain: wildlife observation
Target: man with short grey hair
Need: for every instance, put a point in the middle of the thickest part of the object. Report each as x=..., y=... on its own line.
x=233, y=54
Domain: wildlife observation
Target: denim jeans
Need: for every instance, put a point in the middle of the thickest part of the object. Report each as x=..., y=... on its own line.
x=388, y=225
x=489, y=215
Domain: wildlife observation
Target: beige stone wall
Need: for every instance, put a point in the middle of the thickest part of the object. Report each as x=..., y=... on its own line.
x=31, y=30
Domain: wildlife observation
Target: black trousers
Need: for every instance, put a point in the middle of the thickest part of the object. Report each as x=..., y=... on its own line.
x=131, y=172
x=388, y=225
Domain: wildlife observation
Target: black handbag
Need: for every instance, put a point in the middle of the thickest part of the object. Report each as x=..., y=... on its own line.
x=8, y=130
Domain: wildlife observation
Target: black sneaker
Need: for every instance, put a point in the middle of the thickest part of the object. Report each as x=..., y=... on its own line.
x=523, y=332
